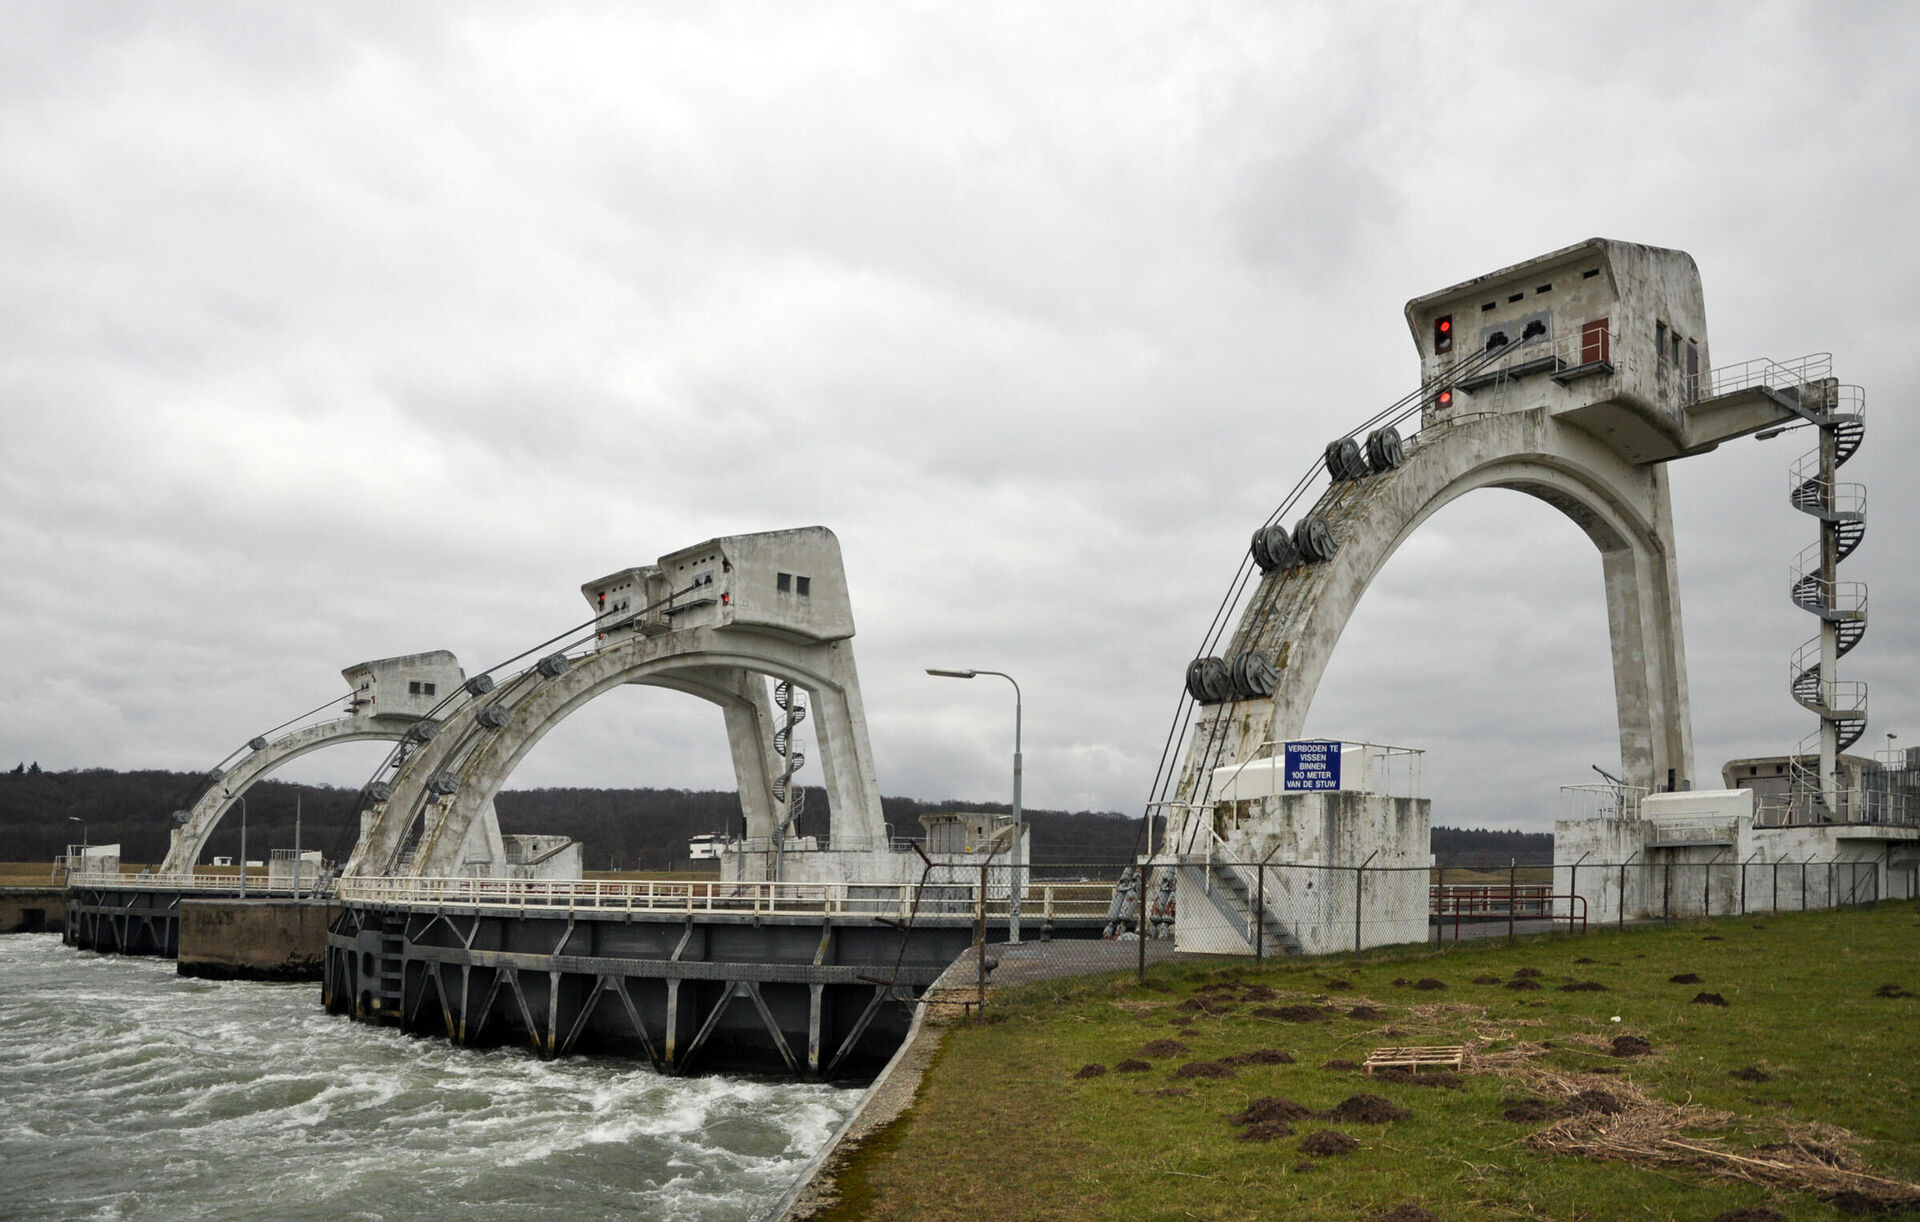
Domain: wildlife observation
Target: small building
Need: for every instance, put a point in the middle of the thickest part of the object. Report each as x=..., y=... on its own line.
x=408, y=686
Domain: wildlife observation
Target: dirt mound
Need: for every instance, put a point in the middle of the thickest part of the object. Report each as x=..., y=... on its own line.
x=1451, y=1081
x=1365, y=1109
x=1163, y=1048
x=1713, y=937
x=1684, y=978
x=1526, y=973
x=1257, y=992
x=1405, y=1213
x=1366, y=1013
x=1209, y=1005
x=1428, y=984
x=1762, y=1214
x=1266, y=1130
x=1629, y=1046
x=1259, y=1056
x=1327, y=1143
x=1172, y=1092
x=1582, y=959
x=1204, y=1069
x=1486, y=980
x=1090, y=1070
x=1891, y=990
x=1340, y=1064
x=1584, y=986
x=1524, y=982
x=1751, y=1073
x=1595, y=1103
x=1708, y=999
x=1337, y=985
x=1292, y=1014
x=1270, y=1107
x=1132, y=1065
x=1530, y=1111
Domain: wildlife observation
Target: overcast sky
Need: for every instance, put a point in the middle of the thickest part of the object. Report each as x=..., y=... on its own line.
x=331, y=332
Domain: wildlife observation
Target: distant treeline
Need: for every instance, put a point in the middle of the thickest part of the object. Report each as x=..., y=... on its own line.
x=632, y=829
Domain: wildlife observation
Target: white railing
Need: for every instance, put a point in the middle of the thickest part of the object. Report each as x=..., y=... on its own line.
x=258, y=882
x=1602, y=801
x=1370, y=768
x=1686, y=828
x=1777, y=375
x=898, y=900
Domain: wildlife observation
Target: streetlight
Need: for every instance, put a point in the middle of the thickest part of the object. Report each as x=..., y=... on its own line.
x=1013, y=897
x=83, y=838
x=242, y=800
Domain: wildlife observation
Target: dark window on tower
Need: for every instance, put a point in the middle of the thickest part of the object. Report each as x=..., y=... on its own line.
x=783, y=583
x=427, y=688
x=413, y=688
x=1660, y=341
x=803, y=586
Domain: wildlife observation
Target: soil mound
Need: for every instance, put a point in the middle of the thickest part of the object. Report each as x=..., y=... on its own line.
x=1595, y=1102
x=1266, y=1130
x=1259, y=1056
x=1891, y=990
x=1751, y=1073
x=1337, y=985
x=1630, y=1046
x=1684, y=978
x=1270, y=1107
x=1708, y=999
x=1451, y=1081
x=1292, y=1014
x=1327, y=1143
x=1582, y=959
x=1257, y=992
x=1743, y=1214
x=1366, y=1109
x=1090, y=1070
x=1524, y=982
x=1584, y=986
x=1526, y=973
x=1163, y=1048
x=1366, y=1013
x=1204, y=1069
x=1486, y=980
x=1530, y=1111
x=1428, y=984
x=1713, y=937
x=1132, y=1065
x=1405, y=1213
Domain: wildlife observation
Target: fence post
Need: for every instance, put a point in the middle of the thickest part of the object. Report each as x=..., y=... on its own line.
x=1260, y=911
x=1706, y=891
x=980, y=950
x=1803, y=884
x=1512, y=878
x=1140, y=967
x=1775, y=907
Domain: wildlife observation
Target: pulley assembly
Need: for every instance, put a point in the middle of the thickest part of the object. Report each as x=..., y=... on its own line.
x=1315, y=538
x=1273, y=548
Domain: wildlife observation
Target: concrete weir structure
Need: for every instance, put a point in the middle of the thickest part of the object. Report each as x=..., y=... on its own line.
x=1573, y=377
x=798, y=958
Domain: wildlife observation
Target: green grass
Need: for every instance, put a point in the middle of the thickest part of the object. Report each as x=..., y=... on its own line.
x=1002, y=1129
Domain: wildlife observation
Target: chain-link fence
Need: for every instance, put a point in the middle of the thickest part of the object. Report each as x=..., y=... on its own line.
x=1069, y=919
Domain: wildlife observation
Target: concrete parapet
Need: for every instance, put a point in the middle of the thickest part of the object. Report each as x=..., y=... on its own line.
x=32, y=909
x=235, y=939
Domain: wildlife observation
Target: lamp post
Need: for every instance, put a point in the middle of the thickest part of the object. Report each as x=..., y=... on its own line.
x=1019, y=841
x=242, y=800
x=83, y=839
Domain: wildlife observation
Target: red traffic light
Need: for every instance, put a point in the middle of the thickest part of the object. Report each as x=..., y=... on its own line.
x=1444, y=399
x=1443, y=334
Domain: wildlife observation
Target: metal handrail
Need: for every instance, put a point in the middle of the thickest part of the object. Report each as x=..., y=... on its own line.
x=147, y=880
x=1764, y=371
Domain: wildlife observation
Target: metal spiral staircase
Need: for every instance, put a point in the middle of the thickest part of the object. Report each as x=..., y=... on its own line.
x=1839, y=413
x=792, y=702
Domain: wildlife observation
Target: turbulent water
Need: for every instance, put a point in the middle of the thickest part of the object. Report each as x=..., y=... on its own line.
x=128, y=1092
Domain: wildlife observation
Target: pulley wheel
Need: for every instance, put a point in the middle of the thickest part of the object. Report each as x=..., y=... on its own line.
x=1315, y=538
x=1273, y=548
x=1253, y=675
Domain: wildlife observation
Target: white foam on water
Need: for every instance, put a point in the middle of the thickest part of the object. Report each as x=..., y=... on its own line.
x=132, y=1093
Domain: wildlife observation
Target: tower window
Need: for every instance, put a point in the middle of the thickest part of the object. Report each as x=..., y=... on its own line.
x=426, y=689
x=783, y=583
x=413, y=687
x=803, y=586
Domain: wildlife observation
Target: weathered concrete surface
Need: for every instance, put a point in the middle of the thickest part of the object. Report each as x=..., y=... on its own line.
x=32, y=909
x=235, y=939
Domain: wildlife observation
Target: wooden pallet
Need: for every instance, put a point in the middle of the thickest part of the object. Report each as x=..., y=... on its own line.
x=1448, y=1056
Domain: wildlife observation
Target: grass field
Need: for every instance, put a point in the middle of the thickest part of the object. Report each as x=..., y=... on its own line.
x=1805, y=1050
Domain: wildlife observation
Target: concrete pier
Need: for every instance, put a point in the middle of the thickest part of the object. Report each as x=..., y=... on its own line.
x=269, y=939
x=32, y=909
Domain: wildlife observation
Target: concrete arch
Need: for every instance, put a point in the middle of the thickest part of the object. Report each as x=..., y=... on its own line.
x=722, y=665
x=190, y=839
x=1298, y=614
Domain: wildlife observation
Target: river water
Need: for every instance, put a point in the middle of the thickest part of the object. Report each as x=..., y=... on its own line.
x=129, y=1092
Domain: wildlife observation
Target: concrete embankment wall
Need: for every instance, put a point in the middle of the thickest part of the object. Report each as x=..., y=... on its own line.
x=32, y=909
x=235, y=939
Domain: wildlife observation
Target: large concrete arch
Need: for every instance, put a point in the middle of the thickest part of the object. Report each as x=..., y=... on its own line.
x=759, y=621
x=1298, y=614
x=387, y=697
